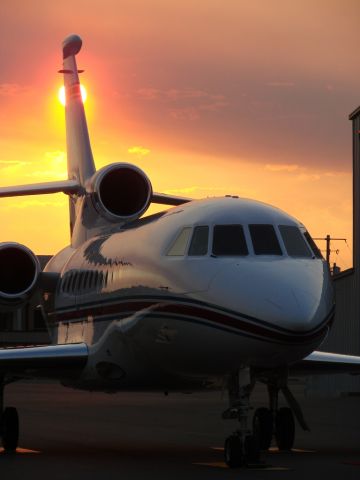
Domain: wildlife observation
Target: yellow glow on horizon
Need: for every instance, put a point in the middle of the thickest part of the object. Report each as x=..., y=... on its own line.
x=62, y=95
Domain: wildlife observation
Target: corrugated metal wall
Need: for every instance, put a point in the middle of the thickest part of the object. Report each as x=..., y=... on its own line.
x=345, y=334
x=344, y=338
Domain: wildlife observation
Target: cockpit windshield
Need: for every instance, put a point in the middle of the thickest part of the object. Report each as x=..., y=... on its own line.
x=313, y=245
x=234, y=240
x=179, y=246
x=199, y=241
x=229, y=240
x=264, y=239
x=294, y=242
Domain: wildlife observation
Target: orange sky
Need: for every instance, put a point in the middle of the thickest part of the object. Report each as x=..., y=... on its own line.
x=244, y=97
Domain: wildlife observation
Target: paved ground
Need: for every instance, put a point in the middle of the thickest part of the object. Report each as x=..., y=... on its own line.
x=70, y=434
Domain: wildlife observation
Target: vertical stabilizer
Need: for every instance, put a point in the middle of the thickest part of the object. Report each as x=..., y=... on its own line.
x=80, y=160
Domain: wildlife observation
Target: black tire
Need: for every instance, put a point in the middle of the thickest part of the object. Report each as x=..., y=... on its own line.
x=233, y=452
x=10, y=429
x=285, y=429
x=263, y=427
x=251, y=449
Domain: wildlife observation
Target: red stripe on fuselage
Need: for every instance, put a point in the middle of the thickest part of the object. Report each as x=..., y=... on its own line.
x=128, y=308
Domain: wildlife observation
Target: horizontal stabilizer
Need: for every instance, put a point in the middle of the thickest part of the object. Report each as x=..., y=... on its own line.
x=72, y=187
x=65, y=186
x=318, y=363
x=164, y=199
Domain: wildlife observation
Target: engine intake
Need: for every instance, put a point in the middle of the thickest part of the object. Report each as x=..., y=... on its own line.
x=19, y=273
x=122, y=192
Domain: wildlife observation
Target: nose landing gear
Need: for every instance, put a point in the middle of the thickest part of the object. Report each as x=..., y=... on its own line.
x=242, y=447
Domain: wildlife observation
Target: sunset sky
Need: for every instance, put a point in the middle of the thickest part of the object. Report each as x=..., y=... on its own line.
x=212, y=97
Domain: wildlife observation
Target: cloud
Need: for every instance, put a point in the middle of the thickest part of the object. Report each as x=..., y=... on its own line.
x=189, y=113
x=139, y=150
x=11, y=166
x=273, y=167
x=148, y=93
x=186, y=103
x=12, y=89
x=54, y=166
x=280, y=84
x=13, y=163
x=308, y=177
x=34, y=203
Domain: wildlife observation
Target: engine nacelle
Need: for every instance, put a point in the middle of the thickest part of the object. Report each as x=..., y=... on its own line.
x=19, y=273
x=120, y=192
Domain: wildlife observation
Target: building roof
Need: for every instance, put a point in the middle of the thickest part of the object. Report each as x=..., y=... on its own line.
x=354, y=114
x=344, y=273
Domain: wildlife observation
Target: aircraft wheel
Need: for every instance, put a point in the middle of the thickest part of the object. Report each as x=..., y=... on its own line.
x=233, y=451
x=10, y=429
x=285, y=428
x=251, y=449
x=263, y=427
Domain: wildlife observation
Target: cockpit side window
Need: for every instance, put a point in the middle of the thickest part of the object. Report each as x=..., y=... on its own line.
x=179, y=247
x=313, y=245
x=264, y=240
x=294, y=242
x=199, y=241
x=229, y=240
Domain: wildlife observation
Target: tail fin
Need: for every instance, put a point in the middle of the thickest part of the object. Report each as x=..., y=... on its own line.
x=85, y=219
x=80, y=160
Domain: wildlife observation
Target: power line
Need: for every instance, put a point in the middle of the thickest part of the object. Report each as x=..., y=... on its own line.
x=328, y=239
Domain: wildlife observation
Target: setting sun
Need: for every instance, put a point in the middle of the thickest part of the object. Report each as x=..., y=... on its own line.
x=62, y=96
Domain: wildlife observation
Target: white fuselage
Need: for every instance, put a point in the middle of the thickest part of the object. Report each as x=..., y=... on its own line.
x=152, y=314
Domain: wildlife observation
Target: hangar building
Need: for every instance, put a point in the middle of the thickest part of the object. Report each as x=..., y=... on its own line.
x=345, y=333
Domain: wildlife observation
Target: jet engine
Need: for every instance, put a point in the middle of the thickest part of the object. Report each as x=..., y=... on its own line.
x=19, y=273
x=120, y=192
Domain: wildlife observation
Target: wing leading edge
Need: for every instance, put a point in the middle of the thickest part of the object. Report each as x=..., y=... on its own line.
x=325, y=363
x=44, y=361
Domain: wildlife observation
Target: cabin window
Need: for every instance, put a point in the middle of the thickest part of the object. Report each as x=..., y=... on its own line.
x=294, y=242
x=229, y=240
x=313, y=245
x=199, y=241
x=179, y=247
x=264, y=240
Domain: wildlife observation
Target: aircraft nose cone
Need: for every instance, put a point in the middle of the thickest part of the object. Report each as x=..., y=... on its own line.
x=300, y=305
x=295, y=295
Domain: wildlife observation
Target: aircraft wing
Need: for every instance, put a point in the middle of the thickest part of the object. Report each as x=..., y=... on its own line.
x=324, y=363
x=65, y=186
x=51, y=361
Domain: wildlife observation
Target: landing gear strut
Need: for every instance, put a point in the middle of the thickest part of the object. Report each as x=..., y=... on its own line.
x=9, y=424
x=242, y=447
x=278, y=422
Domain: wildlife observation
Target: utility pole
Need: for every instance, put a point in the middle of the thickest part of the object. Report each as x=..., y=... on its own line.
x=328, y=240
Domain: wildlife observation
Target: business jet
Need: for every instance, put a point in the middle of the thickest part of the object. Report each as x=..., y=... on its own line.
x=208, y=294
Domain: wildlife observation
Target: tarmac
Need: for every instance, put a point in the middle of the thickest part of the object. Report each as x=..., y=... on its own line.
x=69, y=434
